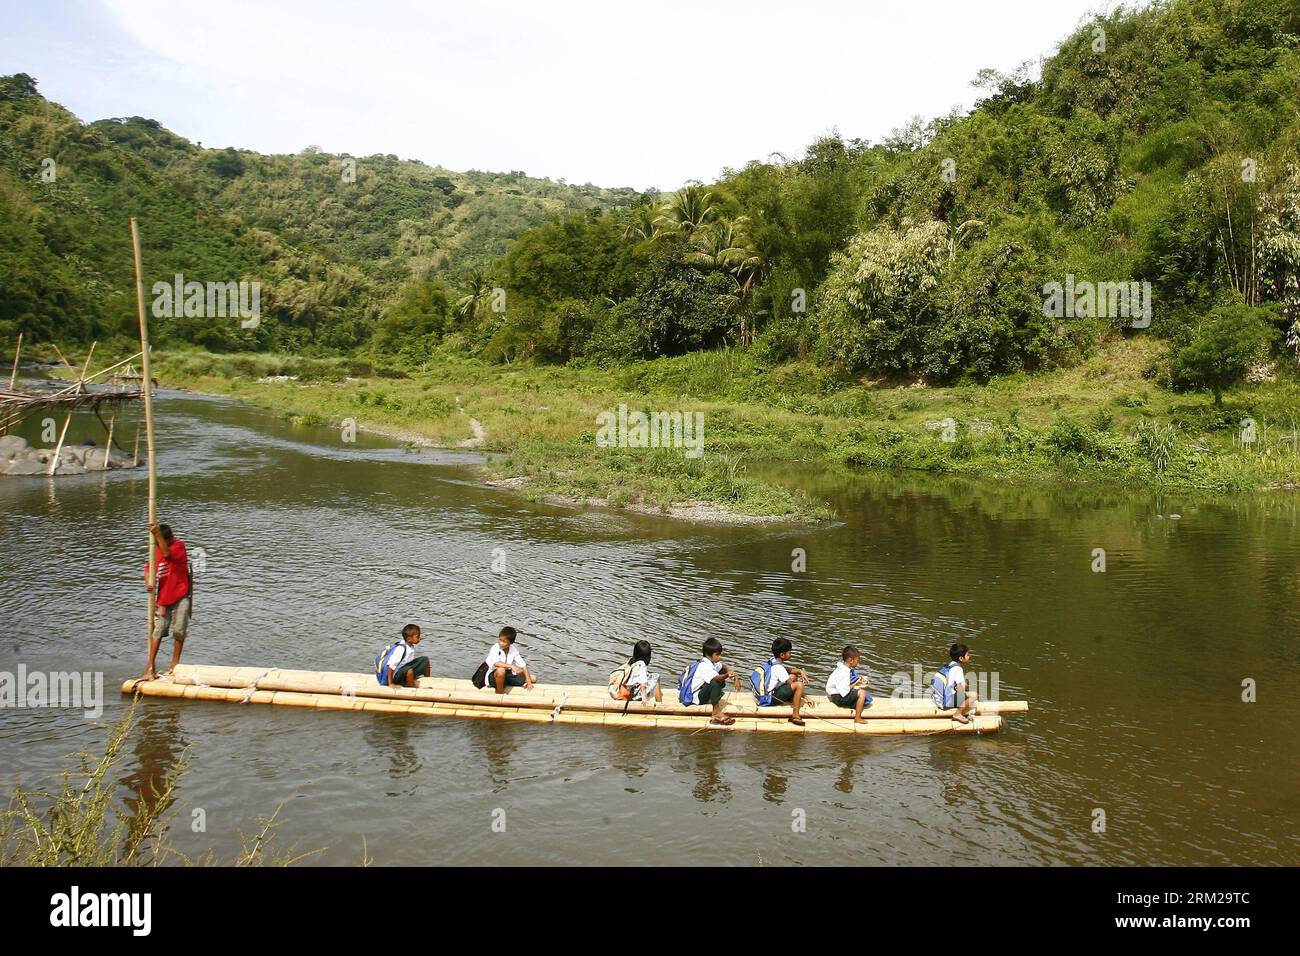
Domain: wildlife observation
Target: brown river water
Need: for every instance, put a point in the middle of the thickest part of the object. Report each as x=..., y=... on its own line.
x=316, y=552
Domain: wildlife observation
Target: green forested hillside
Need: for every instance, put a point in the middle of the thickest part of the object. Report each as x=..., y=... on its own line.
x=1160, y=145
x=333, y=240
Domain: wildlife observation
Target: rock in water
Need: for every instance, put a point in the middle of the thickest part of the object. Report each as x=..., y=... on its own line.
x=11, y=445
x=25, y=466
x=93, y=459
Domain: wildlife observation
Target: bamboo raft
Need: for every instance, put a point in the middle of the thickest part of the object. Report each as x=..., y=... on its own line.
x=551, y=703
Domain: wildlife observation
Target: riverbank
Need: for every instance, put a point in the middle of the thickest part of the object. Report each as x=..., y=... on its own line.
x=537, y=426
x=1103, y=421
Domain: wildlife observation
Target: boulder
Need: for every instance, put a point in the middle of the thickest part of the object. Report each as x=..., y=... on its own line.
x=25, y=466
x=93, y=459
x=69, y=466
x=11, y=445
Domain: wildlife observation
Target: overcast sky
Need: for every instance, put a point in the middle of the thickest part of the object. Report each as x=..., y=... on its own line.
x=613, y=93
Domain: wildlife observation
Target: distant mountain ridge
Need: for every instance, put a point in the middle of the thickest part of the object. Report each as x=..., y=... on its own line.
x=332, y=239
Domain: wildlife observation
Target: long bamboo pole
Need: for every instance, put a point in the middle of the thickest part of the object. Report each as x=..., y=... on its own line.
x=85, y=368
x=147, y=388
x=13, y=376
x=108, y=445
x=58, y=449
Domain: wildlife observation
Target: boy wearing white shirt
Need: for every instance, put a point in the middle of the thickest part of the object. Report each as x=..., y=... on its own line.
x=397, y=665
x=705, y=682
x=788, y=683
x=845, y=688
x=948, y=689
x=506, y=667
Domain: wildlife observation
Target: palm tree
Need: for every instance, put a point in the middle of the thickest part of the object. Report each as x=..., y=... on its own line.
x=719, y=245
x=689, y=209
x=748, y=267
x=475, y=289
x=725, y=245
x=642, y=224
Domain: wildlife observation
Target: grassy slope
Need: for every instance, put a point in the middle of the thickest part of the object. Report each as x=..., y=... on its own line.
x=1074, y=425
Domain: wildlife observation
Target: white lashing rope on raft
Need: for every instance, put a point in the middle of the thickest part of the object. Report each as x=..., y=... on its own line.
x=248, y=694
x=564, y=699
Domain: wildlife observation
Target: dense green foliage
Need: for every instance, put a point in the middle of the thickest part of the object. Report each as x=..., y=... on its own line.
x=1223, y=348
x=1157, y=145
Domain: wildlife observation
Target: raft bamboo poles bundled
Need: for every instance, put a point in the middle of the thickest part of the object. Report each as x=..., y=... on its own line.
x=565, y=704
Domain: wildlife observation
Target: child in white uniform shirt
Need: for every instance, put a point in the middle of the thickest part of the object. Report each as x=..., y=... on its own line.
x=705, y=682
x=633, y=681
x=506, y=667
x=948, y=689
x=788, y=683
x=845, y=688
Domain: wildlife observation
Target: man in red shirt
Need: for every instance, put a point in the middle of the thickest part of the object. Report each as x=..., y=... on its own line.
x=174, y=597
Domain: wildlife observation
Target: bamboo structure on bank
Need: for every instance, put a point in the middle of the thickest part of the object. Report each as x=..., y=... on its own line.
x=574, y=704
x=146, y=388
x=16, y=405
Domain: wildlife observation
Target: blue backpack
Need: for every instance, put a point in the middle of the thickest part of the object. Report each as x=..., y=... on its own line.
x=685, y=695
x=761, y=681
x=943, y=693
x=381, y=672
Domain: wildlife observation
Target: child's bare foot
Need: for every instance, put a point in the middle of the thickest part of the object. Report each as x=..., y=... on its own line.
x=148, y=675
x=797, y=721
x=859, y=720
x=961, y=719
x=723, y=721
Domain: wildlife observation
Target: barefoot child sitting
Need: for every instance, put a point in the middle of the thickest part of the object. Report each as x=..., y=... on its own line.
x=506, y=667
x=782, y=684
x=845, y=688
x=397, y=665
x=949, y=690
x=705, y=682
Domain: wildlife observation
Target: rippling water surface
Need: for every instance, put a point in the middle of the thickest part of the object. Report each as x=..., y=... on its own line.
x=317, y=552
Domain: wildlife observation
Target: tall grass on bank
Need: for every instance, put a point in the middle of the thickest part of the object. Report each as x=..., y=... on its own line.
x=85, y=822
x=1106, y=420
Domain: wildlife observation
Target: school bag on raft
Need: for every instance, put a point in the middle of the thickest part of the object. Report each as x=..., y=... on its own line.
x=761, y=682
x=618, y=688
x=381, y=672
x=943, y=693
x=685, y=695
